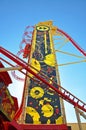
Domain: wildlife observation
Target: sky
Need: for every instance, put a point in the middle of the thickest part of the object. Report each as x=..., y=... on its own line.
x=69, y=16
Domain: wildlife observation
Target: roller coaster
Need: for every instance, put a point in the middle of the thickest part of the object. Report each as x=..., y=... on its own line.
x=43, y=95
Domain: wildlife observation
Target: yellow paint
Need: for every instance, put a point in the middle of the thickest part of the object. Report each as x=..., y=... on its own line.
x=54, y=30
x=41, y=102
x=34, y=114
x=33, y=41
x=37, y=92
x=45, y=43
x=50, y=80
x=47, y=110
x=51, y=93
x=46, y=23
x=50, y=60
x=48, y=121
x=59, y=120
x=49, y=24
x=51, y=42
x=47, y=99
x=36, y=65
x=42, y=28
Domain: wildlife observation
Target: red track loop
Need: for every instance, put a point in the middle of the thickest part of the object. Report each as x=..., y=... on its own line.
x=26, y=39
x=27, y=36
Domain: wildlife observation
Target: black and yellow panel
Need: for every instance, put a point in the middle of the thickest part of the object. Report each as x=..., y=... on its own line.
x=43, y=104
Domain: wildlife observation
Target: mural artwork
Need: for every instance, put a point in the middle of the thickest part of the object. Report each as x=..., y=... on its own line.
x=43, y=104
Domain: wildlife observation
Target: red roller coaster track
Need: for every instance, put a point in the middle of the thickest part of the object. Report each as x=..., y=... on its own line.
x=66, y=95
x=72, y=41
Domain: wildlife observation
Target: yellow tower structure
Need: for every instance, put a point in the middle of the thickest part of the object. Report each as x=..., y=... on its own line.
x=42, y=105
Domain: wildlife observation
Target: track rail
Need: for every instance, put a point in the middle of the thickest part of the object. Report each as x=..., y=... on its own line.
x=72, y=41
x=66, y=95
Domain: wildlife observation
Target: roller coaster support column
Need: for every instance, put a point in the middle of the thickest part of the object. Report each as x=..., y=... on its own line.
x=78, y=118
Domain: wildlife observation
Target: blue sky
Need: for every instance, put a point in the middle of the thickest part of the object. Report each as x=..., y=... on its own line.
x=68, y=15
